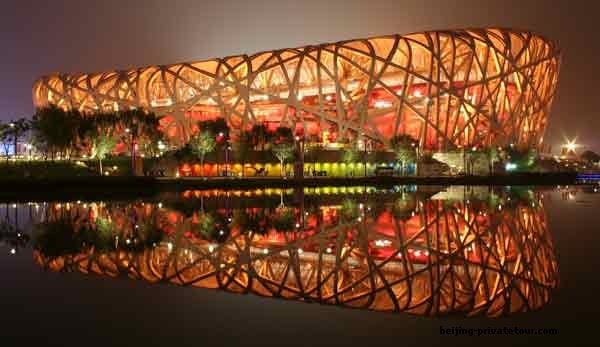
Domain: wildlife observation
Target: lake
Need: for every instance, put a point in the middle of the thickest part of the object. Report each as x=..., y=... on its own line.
x=304, y=266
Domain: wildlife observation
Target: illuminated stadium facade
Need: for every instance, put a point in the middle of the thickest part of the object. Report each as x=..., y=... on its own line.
x=447, y=89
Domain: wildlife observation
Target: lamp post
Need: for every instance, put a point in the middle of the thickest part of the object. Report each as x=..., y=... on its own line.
x=365, y=154
x=227, y=148
x=222, y=139
x=28, y=147
x=300, y=149
x=416, y=147
x=133, y=145
x=569, y=148
x=12, y=126
x=161, y=147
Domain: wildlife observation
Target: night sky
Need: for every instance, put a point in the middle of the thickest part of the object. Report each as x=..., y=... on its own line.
x=39, y=37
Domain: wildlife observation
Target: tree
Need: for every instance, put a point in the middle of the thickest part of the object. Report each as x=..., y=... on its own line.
x=590, y=156
x=241, y=148
x=5, y=136
x=350, y=156
x=202, y=143
x=283, y=146
x=102, y=145
x=183, y=154
x=85, y=131
x=206, y=225
x=255, y=220
x=522, y=158
x=107, y=123
x=493, y=156
x=404, y=207
x=219, y=130
x=55, y=238
x=143, y=126
x=405, y=155
x=19, y=128
x=283, y=151
x=215, y=126
x=405, y=148
x=284, y=219
x=259, y=135
x=54, y=128
x=283, y=134
x=11, y=133
x=349, y=210
x=472, y=157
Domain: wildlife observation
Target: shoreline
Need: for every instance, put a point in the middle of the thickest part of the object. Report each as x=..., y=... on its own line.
x=142, y=186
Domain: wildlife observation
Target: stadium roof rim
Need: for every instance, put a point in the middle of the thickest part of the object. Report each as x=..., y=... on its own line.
x=554, y=44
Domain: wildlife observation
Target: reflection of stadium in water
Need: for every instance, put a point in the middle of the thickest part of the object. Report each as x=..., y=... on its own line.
x=403, y=251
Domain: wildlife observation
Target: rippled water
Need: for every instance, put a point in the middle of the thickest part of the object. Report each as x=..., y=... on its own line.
x=455, y=256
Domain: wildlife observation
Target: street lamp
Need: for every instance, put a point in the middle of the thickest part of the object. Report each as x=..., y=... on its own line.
x=299, y=146
x=571, y=145
x=223, y=139
x=28, y=146
x=417, y=153
x=363, y=141
x=227, y=149
x=569, y=148
x=12, y=125
x=128, y=131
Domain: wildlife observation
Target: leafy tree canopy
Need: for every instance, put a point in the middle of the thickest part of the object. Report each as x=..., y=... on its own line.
x=349, y=155
x=215, y=127
x=283, y=135
x=590, y=156
x=283, y=151
x=203, y=143
x=405, y=148
x=523, y=158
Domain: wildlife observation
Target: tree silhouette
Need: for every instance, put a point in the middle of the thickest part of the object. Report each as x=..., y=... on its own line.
x=12, y=132
x=405, y=149
x=259, y=135
x=102, y=145
x=590, y=156
x=283, y=146
x=242, y=147
x=283, y=151
x=5, y=138
x=349, y=156
x=202, y=143
x=55, y=129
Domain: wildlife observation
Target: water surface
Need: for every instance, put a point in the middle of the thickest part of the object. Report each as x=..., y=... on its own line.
x=398, y=262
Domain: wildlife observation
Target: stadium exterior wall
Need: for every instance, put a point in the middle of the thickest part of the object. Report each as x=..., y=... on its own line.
x=447, y=89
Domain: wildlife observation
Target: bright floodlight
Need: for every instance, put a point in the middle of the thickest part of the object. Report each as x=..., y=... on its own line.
x=571, y=145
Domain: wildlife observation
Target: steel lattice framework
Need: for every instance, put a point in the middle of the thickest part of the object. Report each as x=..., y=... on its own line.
x=448, y=89
x=448, y=257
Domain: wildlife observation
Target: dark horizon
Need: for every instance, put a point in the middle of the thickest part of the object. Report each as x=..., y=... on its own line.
x=88, y=37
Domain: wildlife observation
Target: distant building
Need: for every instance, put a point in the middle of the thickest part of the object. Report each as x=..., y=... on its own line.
x=7, y=148
x=22, y=148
